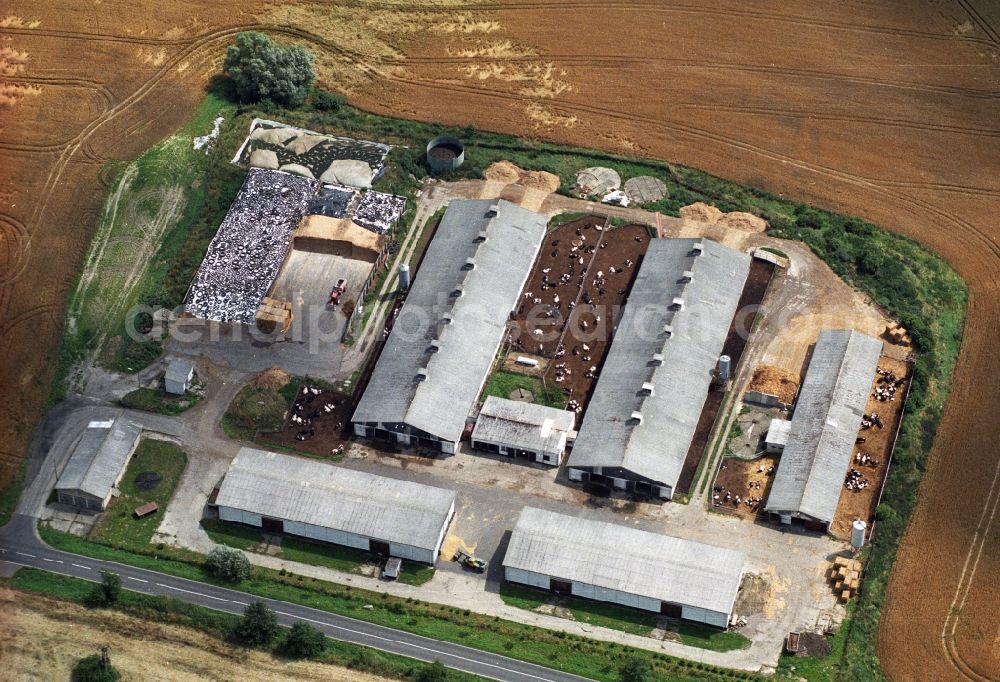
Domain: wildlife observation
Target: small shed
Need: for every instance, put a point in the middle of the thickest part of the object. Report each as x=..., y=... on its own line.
x=516, y=428
x=777, y=436
x=178, y=376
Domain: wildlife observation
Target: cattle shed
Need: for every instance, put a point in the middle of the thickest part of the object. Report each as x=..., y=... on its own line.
x=623, y=565
x=825, y=424
x=319, y=501
x=651, y=390
x=446, y=335
x=97, y=464
x=520, y=429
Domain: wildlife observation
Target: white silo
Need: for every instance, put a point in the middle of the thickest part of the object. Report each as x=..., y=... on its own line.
x=725, y=367
x=404, y=276
x=858, y=529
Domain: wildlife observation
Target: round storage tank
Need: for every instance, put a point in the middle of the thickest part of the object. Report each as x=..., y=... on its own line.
x=858, y=534
x=445, y=153
x=404, y=276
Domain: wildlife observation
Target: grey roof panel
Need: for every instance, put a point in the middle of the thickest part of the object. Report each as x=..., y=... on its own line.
x=329, y=496
x=625, y=559
x=179, y=369
x=440, y=403
x=99, y=457
x=826, y=420
x=523, y=425
x=656, y=447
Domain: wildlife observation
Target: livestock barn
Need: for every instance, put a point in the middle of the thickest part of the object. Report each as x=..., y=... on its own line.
x=519, y=429
x=319, y=501
x=445, y=338
x=622, y=565
x=826, y=421
x=97, y=464
x=645, y=408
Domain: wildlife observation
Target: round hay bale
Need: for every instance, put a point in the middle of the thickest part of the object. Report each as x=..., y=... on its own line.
x=645, y=189
x=303, y=143
x=273, y=135
x=597, y=180
x=349, y=172
x=273, y=378
x=264, y=158
x=296, y=169
x=147, y=480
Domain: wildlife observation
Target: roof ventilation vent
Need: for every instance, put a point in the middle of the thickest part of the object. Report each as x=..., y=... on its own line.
x=698, y=248
x=447, y=318
x=458, y=291
x=677, y=304
x=657, y=359
x=647, y=388
x=482, y=236
x=470, y=264
x=688, y=276
x=422, y=374
x=493, y=210
x=668, y=329
x=434, y=346
x=635, y=419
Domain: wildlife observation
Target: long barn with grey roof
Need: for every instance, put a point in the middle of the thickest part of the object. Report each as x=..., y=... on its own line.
x=827, y=417
x=446, y=335
x=623, y=565
x=311, y=499
x=645, y=408
x=97, y=464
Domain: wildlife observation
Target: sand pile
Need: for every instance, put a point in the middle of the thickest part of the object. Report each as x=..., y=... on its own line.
x=511, y=174
x=775, y=381
x=737, y=220
x=273, y=378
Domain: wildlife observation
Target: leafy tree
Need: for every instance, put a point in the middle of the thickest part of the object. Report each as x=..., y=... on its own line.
x=89, y=669
x=433, y=672
x=264, y=70
x=634, y=670
x=304, y=641
x=258, y=626
x=107, y=591
x=328, y=101
x=228, y=563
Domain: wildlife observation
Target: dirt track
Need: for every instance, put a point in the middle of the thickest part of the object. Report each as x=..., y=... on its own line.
x=886, y=111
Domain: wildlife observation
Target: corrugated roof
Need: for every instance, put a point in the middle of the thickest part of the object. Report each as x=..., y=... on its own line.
x=179, y=369
x=777, y=431
x=440, y=403
x=297, y=489
x=99, y=457
x=523, y=425
x=656, y=447
x=825, y=423
x=625, y=559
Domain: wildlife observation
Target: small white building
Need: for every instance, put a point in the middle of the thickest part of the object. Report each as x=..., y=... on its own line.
x=319, y=501
x=178, y=376
x=519, y=429
x=777, y=436
x=623, y=565
x=97, y=464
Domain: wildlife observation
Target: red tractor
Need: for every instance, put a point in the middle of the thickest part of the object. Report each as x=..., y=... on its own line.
x=337, y=292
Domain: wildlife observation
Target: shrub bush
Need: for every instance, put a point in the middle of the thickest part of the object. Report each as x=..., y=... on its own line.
x=258, y=626
x=228, y=563
x=303, y=641
x=89, y=669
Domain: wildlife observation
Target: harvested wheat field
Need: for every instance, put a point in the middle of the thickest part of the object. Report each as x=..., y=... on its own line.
x=887, y=111
x=44, y=638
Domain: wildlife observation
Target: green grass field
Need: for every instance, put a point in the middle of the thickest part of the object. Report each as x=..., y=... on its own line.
x=501, y=383
x=118, y=526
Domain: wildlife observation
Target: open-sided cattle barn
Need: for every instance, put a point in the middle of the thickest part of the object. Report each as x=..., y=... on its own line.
x=825, y=424
x=649, y=396
x=320, y=501
x=446, y=336
x=97, y=464
x=520, y=429
x=622, y=565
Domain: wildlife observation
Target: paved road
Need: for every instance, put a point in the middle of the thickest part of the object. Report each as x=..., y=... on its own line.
x=20, y=545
